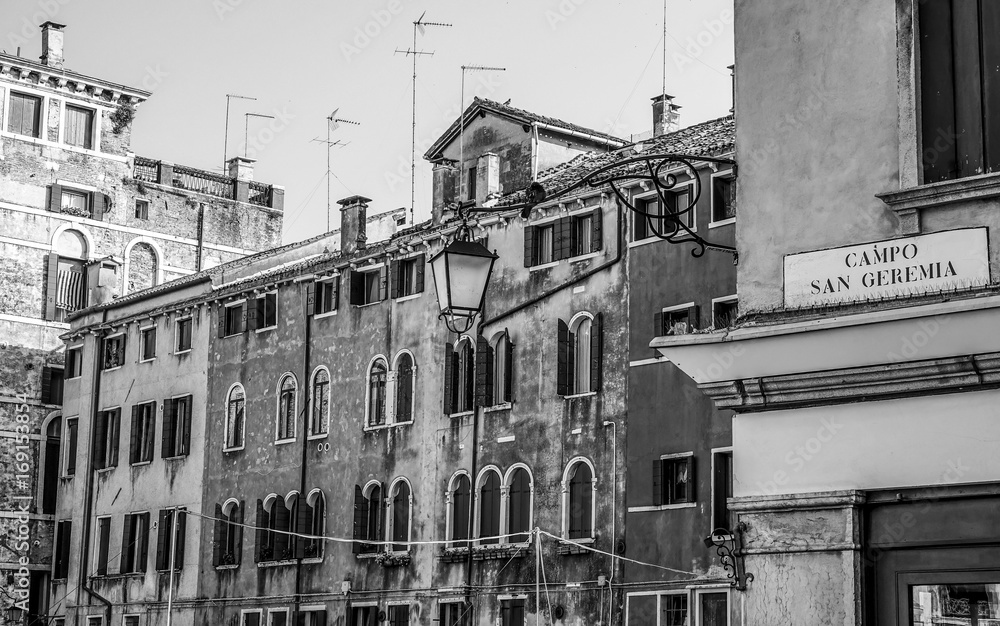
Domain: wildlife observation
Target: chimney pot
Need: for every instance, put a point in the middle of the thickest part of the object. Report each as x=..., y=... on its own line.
x=666, y=115
x=241, y=168
x=353, y=220
x=52, y=44
x=445, y=188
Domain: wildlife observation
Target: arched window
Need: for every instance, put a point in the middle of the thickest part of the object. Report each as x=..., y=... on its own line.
x=272, y=525
x=66, y=273
x=228, y=533
x=377, y=376
x=503, y=369
x=460, y=378
x=400, y=500
x=488, y=503
x=285, y=421
x=404, y=387
x=53, y=449
x=143, y=267
x=235, y=417
x=368, y=515
x=578, y=503
x=580, y=355
x=518, y=505
x=317, y=523
x=459, y=501
x=319, y=415
x=581, y=360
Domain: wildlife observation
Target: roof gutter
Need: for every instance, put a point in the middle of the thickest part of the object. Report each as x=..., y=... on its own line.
x=618, y=143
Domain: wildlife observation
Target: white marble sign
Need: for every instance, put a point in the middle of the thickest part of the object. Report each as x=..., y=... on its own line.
x=906, y=266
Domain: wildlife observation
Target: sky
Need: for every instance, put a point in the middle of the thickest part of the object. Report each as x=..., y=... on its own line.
x=596, y=63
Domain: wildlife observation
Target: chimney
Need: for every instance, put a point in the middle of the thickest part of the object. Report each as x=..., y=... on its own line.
x=732, y=73
x=445, y=186
x=52, y=44
x=666, y=115
x=487, y=178
x=353, y=220
x=241, y=168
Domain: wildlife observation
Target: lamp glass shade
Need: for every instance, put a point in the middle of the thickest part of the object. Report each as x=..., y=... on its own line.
x=461, y=272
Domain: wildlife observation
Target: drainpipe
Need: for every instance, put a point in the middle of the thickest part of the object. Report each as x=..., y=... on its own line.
x=614, y=513
x=472, y=517
x=201, y=236
x=89, y=489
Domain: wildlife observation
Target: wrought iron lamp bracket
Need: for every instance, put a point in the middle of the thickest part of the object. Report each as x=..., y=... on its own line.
x=728, y=545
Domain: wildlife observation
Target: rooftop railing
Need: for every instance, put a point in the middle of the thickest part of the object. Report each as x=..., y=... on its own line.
x=209, y=183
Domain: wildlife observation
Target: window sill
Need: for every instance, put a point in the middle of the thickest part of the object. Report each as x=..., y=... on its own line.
x=725, y=222
x=149, y=360
x=319, y=316
x=412, y=296
x=313, y=560
x=364, y=556
x=584, y=257
x=226, y=567
x=104, y=470
x=506, y=406
x=543, y=266
x=316, y=437
x=367, y=304
x=662, y=507
x=140, y=463
x=111, y=369
x=282, y=442
x=77, y=377
x=180, y=352
x=571, y=547
x=264, y=330
x=462, y=414
x=264, y=564
x=240, y=449
x=907, y=203
x=580, y=395
x=176, y=457
x=68, y=477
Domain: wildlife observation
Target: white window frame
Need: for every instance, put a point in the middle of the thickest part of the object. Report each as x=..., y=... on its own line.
x=449, y=499
x=225, y=311
x=137, y=616
x=121, y=333
x=566, y=503
x=669, y=457
x=142, y=343
x=723, y=300
x=659, y=595
x=227, y=513
x=368, y=392
x=405, y=259
x=64, y=451
x=390, y=387
x=95, y=620
x=135, y=207
x=368, y=269
x=681, y=307
x=332, y=278
x=277, y=409
x=646, y=195
x=498, y=389
x=694, y=605
x=243, y=432
x=245, y=612
x=714, y=452
x=42, y=118
x=390, y=520
x=149, y=533
x=311, y=498
x=477, y=509
x=326, y=419
x=43, y=130
x=95, y=125
x=574, y=324
x=457, y=377
x=505, y=505
x=263, y=295
x=310, y=609
x=177, y=335
x=104, y=410
x=711, y=196
x=79, y=347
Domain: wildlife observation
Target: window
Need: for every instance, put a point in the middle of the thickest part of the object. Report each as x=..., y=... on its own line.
x=71, y=439
x=277, y=617
x=399, y=614
x=141, y=209
x=642, y=225
x=319, y=408
x=678, y=199
x=459, y=377
x=75, y=202
x=673, y=480
x=368, y=512
x=165, y=536
x=64, y=532
x=106, y=439
x=52, y=384
x=228, y=542
x=539, y=242
x=713, y=608
x=404, y=388
x=579, y=488
x=135, y=543
x=130, y=620
x=315, y=524
x=674, y=609
x=235, y=417
x=74, y=362
x=113, y=352
x=95, y=620
x=723, y=197
x=471, y=187
x=182, y=334
x=251, y=617
x=312, y=616
x=265, y=312
x=48, y=479
x=722, y=489
x=489, y=507
x=141, y=435
x=407, y=277
x=725, y=311
x=272, y=522
x=103, y=542
x=580, y=355
x=512, y=612
x=233, y=320
x=451, y=613
x=65, y=287
x=285, y=418
x=957, y=89
x=494, y=361
x=325, y=294
x=176, y=439
x=25, y=114
x=564, y=238
x=79, y=130
x=147, y=343
x=377, y=377
x=518, y=506
x=368, y=286
x=586, y=233
x=459, y=501
x=400, y=501
x=364, y=616
x=677, y=320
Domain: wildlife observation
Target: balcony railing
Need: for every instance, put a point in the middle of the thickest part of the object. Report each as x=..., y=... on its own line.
x=200, y=181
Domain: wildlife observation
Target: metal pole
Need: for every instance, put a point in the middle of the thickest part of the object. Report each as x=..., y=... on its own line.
x=413, y=131
x=225, y=151
x=329, y=122
x=461, y=138
x=173, y=552
x=246, y=135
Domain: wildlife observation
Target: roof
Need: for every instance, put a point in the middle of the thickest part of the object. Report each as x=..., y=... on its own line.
x=52, y=72
x=515, y=114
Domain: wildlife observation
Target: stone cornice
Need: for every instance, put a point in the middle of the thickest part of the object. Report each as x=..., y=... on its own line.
x=15, y=69
x=907, y=203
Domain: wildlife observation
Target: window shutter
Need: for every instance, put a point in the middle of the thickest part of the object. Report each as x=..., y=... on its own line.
x=360, y=518
x=381, y=514
x=336, y=292
x=259, y=531
x=658, y=324
x=657, y=482
x=281, y=521
x=383, y=283
x=46, y=385
x=55, y=198
x=562, y=236
x=51, y=286
x=597, y=352
x=694, y=318
x=244, y=326
x=692, y=480
x=449, y=375
x=101, y=204
x=311, y=298
x=484, y=372
x=125, y=565
x=100, y=440
x=104, y=542
x=562, y=360
x=597, y=231
x=166, y=449
x=114, y=427
x=133, y=438
x=255, y=314
x=189, y=408
x=238, y=530
x=508, y=379
x=418, y=286
x=394, y=271
x=179, y=547
x=222, y=320
x=217, y=539
x=303, y=525
x=357, y=288
x=162, y=540
x=121, y=351
x=143, y=541
x=530, y=246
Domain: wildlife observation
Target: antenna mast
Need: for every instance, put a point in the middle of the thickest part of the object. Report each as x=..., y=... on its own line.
x=417, y=26
x=332, y=123
x=461, y=123
x=225, y=152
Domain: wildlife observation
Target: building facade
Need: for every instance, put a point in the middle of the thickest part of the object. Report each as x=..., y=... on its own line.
x=83, y=221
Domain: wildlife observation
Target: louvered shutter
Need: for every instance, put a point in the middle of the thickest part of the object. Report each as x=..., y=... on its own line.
x=218, y=540
x=244, y=326
x=281, y=522
x=418, y=281
x=694, y=318
x=383, y=283
x=303, y=523
x=51, y=286
x=508, y=379
x=530, y=246
x=563, y=356
x=114, y=432
x=658, y=324
x=125, y=565
x=260, y=531
x=394, y=272
x=692, y=481
x=46, y=385
x=100, y=440
x=657, y=482
x=449, y=375
x=55, y=198
x=143, y=541
x=166, y=438
x=597, y=231
x=64, y=546
x=101, y=204
x=222, y=320
x=360, y=519
x=357, y=288
x=133, y=437
x=238, y=530
x=104, y=543
x=181, y=521
x=255, y=314
x=381, y=514
x=597, y=352
x=162, y=540
x=311, y=298
x=188, y=409
x=484, y=372
x=121, y=350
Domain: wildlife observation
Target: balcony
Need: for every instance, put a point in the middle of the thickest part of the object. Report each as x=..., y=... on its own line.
x=208, y=183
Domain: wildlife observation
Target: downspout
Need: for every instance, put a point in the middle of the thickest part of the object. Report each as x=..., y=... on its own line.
x=306, y=352
x=534, y=151
x=89, y=490
x=199, y=262
x=472, y=508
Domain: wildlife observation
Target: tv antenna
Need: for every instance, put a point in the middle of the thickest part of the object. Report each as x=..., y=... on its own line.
x=225, y=151
x=332, y=123
x=461, y=124
x=418, y=26
x=246, y=128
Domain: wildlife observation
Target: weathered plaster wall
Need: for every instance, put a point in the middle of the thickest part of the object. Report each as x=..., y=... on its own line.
x=506, y=139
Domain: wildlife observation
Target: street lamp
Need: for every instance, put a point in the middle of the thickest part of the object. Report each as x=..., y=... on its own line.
x=461, y=272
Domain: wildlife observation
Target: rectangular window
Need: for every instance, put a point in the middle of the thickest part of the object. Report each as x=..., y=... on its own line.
x=399, y=615
x=130, y=620
x=95, y=620
x=724, y=312
x=545, y=246
x=277, y=617
x=512, y=612
x=135, y=542
x=60, y=552
x=722, y=490
x=106, y=434
x=723, y=198
x=141, y=438
x=176, y=439
x=451, y=614
x=267, y=310
x=74, y=362
x=326, y=295
x=70, y=462
x=583, y=230
x=147, y=343
x=368, y=287
x=677, y=320
x=103, y=542
x=408, y=276
x=677, y=200
x=166, y=533
x=471, y=187
x=364, y=616
x=141, y=209
x=182, y=334
x=642, y=226
x=251, y=618
x=234, y=319
x=713, y=609
x=25, y=114
x=79, y=129
x=678, y=480
x=674, y=609
x=75, y=203
x=113, y=352
x=52, y=384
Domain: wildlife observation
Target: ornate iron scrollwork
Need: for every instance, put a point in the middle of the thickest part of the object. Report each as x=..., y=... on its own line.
x=728, y=545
